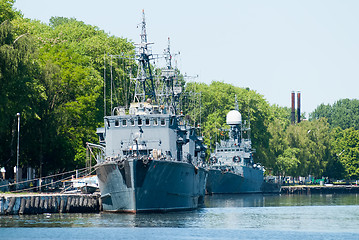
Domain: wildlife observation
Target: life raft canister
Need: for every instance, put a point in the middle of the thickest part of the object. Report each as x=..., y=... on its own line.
x=236, y=159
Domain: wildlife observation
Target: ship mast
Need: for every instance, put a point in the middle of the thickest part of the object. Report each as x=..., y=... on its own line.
x=236, y=103
x=236, y=129
x=144, y=85
x=168, y=76
x=168, y=56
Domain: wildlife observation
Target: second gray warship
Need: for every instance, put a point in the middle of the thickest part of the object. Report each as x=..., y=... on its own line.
x=231, y=168
x=151, y=159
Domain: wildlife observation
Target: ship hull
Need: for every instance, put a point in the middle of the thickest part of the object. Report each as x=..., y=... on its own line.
x=155, y=185
x=249, y=181
x=271, y=187
x=220, y=182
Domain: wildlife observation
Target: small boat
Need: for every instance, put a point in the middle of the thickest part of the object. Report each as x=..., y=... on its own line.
x=88, y=189
x=87, y=184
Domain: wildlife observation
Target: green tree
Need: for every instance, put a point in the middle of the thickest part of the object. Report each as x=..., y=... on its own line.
x=344, y=113
x=346, y=149
x=278, y=143
x=7, y=12
x=318, y=144
x=313, y=141
x=71, y=84
x=16, y=71
x=288, y=162
x=53, y=75
x=217, y=99
x=101, y=49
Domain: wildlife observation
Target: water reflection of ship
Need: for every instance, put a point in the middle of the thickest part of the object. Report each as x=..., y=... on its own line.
x=241, y=200
x=232, y=169
x=151, y=159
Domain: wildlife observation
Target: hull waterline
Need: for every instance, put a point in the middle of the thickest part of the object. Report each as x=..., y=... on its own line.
x=221, y=182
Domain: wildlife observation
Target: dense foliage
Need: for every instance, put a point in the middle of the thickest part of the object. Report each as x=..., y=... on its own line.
x=217, y=99
x=54, y=76
x=344, y=113
x=309, y=148
x=326, y=145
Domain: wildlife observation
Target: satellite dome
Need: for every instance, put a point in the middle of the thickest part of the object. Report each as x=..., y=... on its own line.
x=234, y=117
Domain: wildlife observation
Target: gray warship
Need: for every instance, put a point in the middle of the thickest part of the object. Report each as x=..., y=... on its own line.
x=232, y=169
x=151, y=159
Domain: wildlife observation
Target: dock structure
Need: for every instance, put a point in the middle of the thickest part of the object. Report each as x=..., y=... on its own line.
x=18, y=204
x=326, y=189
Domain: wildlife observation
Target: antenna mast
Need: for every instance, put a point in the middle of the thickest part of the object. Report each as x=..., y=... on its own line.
x=144, y=89
x=170, y=91
x=236, y=103
x=168, y=56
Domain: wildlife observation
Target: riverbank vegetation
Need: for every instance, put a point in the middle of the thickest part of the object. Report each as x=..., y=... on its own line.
x=53, y=75
x=317, y=147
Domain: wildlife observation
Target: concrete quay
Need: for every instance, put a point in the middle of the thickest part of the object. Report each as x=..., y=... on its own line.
x=14, y=204
x=326, y=189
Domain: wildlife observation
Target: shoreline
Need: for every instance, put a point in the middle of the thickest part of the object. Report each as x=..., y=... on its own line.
x=39, y=203
x=314, y=189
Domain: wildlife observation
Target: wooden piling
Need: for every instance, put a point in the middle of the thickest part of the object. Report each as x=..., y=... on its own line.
x=62, y=205
x=22, y=206
x=11, y=204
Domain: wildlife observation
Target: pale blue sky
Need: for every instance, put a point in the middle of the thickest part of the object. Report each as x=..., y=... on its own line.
x=272, y=47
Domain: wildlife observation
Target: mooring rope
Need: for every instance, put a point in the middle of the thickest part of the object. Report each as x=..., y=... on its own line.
x=81, y=171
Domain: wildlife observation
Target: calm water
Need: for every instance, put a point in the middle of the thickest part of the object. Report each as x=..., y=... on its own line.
x=222, y=217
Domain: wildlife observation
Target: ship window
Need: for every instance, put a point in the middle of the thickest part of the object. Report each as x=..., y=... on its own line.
x=117, y=123
x=139, y=122
x=124, y=122
x=237, y=150
x=155, y=122
x=163, y=122
x=172, y=121
x=132, y=122
x=102, y=138
x=147, y=122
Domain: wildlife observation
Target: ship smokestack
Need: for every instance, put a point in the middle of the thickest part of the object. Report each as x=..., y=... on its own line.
x=293, y=108
x=298, y=106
